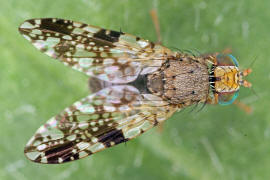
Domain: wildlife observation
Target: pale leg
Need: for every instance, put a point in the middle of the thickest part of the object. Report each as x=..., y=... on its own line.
x=243, y=106
x=155, y=20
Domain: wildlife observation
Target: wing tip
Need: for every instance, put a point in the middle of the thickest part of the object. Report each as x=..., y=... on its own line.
x=30, y=24
x=32, y=155
x=27, y=24
x=39, y=157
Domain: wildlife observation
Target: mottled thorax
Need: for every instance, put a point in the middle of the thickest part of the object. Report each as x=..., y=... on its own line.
x=181, y=82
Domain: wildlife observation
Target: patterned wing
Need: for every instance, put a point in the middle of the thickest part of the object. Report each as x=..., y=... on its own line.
x=108, y=55
x=104, y=119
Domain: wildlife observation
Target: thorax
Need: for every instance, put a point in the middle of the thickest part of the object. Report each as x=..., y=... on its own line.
x=180, y=82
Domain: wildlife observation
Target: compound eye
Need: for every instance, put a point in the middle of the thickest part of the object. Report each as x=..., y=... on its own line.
x=227, y=98
x=226, y=60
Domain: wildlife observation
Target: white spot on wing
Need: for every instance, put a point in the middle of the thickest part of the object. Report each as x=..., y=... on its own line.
x=76, y=24
x=143, y=44
x=43, y=160
x=94, y=139
x=82, y=145
x=60, y=160
x=36, y=31
x=91, y=29
x=109, y=108
x=38, y=21
x=67, y=37
x=41, y=147
x=96, y=147
x=27, y=37
x=27, y=25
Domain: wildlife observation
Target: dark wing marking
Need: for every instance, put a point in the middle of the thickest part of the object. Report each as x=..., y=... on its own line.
x=109, y=55
x=104, y=119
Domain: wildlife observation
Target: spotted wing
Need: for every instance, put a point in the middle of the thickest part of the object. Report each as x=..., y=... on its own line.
x=112, y=56
x=109, y=117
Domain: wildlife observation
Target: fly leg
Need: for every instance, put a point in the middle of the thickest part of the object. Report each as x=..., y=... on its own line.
x=243, y=106
x=155, y=20
x=160, y=127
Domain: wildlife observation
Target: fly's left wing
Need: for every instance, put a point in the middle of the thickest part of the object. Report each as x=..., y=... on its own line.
x=109, y=55
x=109, y=117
